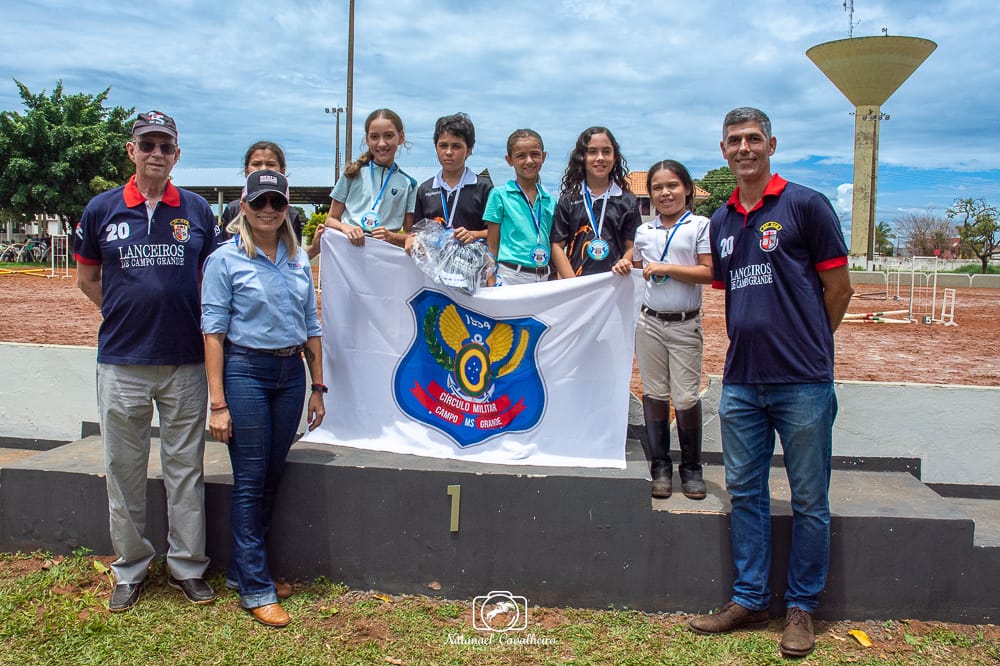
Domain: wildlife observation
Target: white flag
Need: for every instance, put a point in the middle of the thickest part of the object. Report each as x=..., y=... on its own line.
x=533, y=374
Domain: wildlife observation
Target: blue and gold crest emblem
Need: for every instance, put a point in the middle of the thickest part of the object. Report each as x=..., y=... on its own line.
x=467, y=375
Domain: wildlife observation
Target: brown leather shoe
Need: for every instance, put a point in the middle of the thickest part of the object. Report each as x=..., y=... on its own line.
x=731, y=616
x=273, y=615
x=283, y=589
x=799, y=638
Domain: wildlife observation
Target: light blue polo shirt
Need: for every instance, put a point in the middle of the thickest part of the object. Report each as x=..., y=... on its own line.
x=257, y=303
x=358, y=194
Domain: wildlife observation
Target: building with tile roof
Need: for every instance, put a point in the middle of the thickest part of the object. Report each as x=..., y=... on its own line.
x=637, y=185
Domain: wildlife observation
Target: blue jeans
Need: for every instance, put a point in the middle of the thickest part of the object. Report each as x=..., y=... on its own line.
x=265, y=395
x=802, y=415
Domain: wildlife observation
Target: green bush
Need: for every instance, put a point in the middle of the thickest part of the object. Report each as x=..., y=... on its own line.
x=309, y=229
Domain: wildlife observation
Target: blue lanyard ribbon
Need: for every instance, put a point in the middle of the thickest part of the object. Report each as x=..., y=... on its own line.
x=677, y=225
x=385, y=181
x=449, y=216
x=536, y=218
x=594, y=224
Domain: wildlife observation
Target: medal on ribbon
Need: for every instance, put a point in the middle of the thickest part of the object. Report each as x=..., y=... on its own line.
x=598, y=249
x=540, y=255
x=370, y=220
x=660, y=279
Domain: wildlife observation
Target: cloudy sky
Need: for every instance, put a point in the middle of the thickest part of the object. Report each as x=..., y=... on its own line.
x=661, y=74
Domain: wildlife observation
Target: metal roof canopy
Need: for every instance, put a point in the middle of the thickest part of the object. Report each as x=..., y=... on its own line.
x=310, y=195
x=318, y=195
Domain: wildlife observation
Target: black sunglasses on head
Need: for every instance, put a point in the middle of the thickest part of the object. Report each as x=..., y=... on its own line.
x=149, y=146
x=277, y=202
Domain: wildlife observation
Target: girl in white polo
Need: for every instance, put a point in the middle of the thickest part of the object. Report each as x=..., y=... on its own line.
x=674, y=254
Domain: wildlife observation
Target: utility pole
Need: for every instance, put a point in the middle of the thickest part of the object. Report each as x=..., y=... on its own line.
x=336, y=160
x=350, y=83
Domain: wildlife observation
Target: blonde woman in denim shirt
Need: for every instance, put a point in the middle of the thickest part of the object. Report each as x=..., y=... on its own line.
x=259, y=316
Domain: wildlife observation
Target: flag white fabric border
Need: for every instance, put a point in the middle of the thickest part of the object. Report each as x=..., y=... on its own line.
x=584, y=358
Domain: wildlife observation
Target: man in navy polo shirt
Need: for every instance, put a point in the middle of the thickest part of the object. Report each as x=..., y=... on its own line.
x=778, y=251
x=139, y=252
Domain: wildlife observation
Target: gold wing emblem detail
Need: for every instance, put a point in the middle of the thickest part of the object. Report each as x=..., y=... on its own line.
x=453, y=330
x=500, y=341
x=518, y=356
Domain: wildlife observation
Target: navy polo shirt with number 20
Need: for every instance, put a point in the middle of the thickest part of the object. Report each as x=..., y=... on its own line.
x=768, y=260
x=150, y=273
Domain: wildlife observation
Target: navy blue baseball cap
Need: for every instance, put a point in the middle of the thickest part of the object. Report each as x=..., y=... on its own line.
x=154, y=121
x=262, y=182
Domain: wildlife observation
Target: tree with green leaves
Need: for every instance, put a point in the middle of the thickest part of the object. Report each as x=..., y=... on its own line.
x=720, y=183
x=883, y=239
x=978, y=228
x=61, y=152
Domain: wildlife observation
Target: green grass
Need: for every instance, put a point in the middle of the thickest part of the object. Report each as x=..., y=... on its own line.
x=16, y=266
x=54, y=611
x=976, y=269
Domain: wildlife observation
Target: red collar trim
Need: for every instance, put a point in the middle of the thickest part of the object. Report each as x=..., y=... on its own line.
x=133, y=197
x=775, y=186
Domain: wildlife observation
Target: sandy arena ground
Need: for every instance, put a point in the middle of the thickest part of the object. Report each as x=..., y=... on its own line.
x=54, y=311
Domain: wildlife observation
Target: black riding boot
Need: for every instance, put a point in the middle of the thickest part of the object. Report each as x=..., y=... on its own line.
x=689, y=427
x=656, y=414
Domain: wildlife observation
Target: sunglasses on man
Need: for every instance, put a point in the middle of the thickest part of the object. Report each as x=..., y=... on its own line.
x=149, y=146
x=277, y=202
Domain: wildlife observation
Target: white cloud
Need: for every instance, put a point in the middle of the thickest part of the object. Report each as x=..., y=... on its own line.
x=845, y=192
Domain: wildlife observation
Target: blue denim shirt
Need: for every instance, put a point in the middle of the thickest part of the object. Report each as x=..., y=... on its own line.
x=257, y=303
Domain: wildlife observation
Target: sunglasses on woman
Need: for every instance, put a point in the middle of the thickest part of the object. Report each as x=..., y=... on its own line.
x=277, y=202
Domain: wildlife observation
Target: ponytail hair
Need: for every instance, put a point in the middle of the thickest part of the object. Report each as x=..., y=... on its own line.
x=525, y=133
x=519, y=134
x=679, y=170
x=354, y=168
x=265, y=145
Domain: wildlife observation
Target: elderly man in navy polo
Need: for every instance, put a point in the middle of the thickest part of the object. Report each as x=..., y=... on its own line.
x=139, y=250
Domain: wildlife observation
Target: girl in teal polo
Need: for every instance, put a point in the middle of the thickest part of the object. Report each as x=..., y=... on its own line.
x=519, y=214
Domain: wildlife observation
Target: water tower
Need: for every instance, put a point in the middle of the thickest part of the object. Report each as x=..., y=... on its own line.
x=868, y=70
